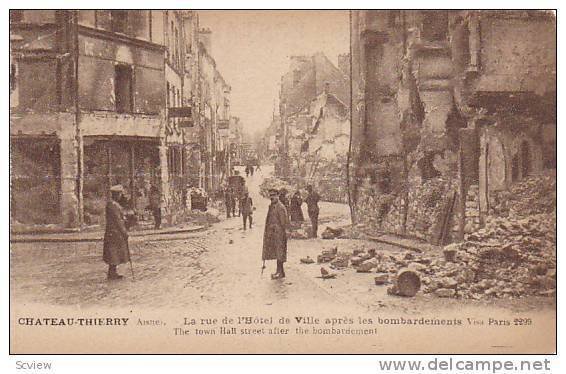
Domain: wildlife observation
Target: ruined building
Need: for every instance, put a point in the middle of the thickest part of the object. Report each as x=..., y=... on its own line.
x=100, y=97
x=314, y=101
x=449, y=109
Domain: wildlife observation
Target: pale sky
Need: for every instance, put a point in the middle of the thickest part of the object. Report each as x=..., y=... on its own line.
x=252, y=50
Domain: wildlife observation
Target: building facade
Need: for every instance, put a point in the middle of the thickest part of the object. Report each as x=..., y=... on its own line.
x=447, y=104
x=100, y=97
x=308, y=77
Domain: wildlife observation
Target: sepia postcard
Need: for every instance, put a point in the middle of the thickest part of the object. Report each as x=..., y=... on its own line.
x=282, y=181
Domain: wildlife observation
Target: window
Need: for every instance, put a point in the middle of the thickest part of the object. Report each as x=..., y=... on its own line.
x=435, y=25
x=168, y=97
x=174, y=161
x=392, y=17
x=123, y=81
x=16, y=15
x=177, y=49
x=172, y=42
x=14, y=96
x=296, y=77
x=13, y=77
x=119, y=19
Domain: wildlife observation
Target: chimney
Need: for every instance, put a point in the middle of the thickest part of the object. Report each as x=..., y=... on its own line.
x=205, y=37
x=344, y=63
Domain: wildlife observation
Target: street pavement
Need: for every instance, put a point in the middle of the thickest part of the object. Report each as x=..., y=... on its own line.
x=219, y=268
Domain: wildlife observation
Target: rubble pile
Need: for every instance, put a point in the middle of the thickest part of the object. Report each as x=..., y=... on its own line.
x=425, y=202
x=332, y=233
x=299, y=231
x=533, y=195
x=274, y=183
x=514, y=255
x=508, y=258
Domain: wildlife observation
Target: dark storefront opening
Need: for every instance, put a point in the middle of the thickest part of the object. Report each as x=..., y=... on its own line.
x=35, y=181
x=176, y=168
x=131, y=163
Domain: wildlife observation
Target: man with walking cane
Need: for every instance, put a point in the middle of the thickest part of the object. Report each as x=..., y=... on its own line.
x=275, y=234
x=116, y=250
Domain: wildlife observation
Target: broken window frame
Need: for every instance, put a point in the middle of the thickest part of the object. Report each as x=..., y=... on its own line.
x=129, y=107
x=434, y=26
x=14, y=85
x=119, y=21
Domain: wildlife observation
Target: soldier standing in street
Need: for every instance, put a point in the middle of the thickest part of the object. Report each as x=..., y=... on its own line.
x=275, y=234
x=312, y=208
x=230, y=202
x=116, y=250
x=155, y=206
x=247, y=209
x=296, y=212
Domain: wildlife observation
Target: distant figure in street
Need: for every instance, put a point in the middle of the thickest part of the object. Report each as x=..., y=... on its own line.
x=230, y=202
x=247, y=171
x=275, y=234
x=296, y=211
x=252, y=170
x=257, y=168
x=246, y=205
x=312, y=208
x=155, y=206
x=115, y=250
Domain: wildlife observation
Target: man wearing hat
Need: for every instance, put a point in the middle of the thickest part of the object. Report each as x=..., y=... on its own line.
x=247, y=205
x=116, y=250
x=312, y=208
x=275, y=234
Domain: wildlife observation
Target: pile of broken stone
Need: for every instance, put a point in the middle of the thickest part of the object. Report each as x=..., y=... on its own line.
x=301, y=230
x=508, y=258
x=274, y=183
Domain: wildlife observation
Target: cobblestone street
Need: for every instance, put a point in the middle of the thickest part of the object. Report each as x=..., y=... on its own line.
x=220, y=267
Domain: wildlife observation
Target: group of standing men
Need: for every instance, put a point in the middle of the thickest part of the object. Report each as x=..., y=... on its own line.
x=244, y=202
x=281, y=212
x=236, y=194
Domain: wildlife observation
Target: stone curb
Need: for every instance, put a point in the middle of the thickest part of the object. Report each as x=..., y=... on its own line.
x=53, y=238
x=416, y=247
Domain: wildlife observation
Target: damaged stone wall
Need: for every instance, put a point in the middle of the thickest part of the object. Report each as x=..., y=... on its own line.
x=407, y=181
x=461, y=132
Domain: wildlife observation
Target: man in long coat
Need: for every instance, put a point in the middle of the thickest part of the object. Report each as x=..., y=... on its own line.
x=312, y=209
x=275, y=234
x=155, y=206
x=296, y=211
x=230, y=202
x=246, y=205
x=116, y=250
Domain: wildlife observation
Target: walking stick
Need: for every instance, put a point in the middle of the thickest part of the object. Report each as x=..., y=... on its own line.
x=263, y=267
